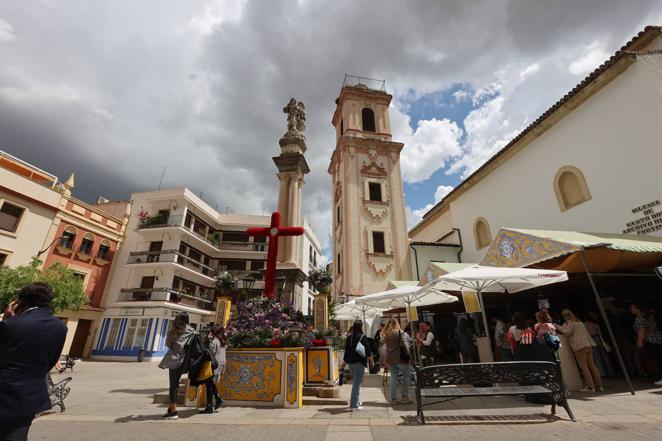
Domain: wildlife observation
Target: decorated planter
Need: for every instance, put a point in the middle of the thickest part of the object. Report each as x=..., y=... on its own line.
x=263, y=377
x=320, y=342
x=321, y=366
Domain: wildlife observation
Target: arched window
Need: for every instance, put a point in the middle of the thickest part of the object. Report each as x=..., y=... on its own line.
x=68, y=237
x=482, y=233
x=104, y=250
x=86, y=244
x=368, y=117
x=570, y=187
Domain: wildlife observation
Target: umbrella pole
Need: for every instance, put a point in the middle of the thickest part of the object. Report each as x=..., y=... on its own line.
x=606, y=320
x=487, y=328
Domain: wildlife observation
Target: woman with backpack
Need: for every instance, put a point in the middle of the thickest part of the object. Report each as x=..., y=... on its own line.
x=217, y=347
x=582, y=345
x=357, y=355
x=397, y=358
x=176, y=358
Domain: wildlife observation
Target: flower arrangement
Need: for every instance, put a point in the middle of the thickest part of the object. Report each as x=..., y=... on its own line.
x=226, y=281
x=320, y=279
x=263, y=323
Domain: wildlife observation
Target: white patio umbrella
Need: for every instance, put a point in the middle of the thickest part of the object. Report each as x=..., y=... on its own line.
x=406, y=297
x=353, y=311
x=494, y=279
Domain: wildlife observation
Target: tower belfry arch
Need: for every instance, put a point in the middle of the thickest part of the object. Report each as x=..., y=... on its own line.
x=370, y=246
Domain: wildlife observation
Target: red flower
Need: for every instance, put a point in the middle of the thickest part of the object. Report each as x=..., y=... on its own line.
x=275, y=343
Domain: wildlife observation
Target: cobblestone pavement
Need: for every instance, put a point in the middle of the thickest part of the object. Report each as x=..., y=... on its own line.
x=114, y=401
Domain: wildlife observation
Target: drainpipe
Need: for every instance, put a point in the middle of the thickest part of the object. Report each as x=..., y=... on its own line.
x=459, y=252
x=418, y=277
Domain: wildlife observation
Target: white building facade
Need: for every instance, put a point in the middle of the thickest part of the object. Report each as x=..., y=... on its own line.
x=591, y=163
x=175, y=246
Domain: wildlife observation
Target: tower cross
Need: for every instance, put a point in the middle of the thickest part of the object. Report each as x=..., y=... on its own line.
x=273, y=232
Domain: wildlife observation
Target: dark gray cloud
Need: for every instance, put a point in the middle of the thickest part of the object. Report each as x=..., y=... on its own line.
x=111, y=90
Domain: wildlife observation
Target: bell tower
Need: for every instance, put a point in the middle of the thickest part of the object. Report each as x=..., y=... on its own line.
x=370, y=246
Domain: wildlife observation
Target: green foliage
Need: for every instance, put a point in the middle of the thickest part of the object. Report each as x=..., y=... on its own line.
x=67, y=287
x=320, y=279
x=339, y=342
x=226, y=281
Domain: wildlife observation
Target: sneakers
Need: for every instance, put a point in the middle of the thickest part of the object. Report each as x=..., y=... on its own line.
x=352, y=409
x=207, y=410
x=171, y=415
x=586, y=389
x=218, y=404
x=601, y=389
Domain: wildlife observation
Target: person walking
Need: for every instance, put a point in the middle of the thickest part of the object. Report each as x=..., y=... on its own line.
x=398, y=358
x=31, y=341
x=501, y=340
x=357, y=356
x=602, y=349
x=176, y=359
x=466, y=341
x=582, y=345
x=649, y=337
x=217, y=348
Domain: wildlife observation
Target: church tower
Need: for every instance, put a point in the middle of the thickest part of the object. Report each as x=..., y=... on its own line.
x=370, y=246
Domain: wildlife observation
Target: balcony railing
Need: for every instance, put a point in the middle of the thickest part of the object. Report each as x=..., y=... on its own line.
x=162, y=220
x=204, y=301
x=172, y=256
x=243, y=246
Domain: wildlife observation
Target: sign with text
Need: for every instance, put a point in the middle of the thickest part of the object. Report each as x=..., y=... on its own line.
x=471, y=303
x=649, y=218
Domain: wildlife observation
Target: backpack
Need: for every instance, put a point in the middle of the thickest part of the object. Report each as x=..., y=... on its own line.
x=192, y=351
x=552, y=341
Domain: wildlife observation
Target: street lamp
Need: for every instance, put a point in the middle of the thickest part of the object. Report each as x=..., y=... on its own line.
x=280, y=284
x=248, y=283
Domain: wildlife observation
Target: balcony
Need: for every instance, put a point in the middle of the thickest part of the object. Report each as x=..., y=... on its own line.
x=161, y=220
x=204, y=301
x=243, y=246
x=171, y=256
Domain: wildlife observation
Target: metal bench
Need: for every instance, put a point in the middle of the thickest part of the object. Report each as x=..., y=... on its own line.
x=447, y=382
x=58, y=392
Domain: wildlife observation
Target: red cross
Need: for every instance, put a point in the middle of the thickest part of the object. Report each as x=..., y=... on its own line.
x=273, y=232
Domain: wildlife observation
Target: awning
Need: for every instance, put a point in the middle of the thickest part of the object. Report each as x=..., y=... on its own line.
x=401, y=283
x=558, y=250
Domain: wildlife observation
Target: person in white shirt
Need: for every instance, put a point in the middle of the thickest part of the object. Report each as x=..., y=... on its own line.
x=425, y=344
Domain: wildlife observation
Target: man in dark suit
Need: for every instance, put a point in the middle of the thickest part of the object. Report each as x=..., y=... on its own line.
x=31, y=341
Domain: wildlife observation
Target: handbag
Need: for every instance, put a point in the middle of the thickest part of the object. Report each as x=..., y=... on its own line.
x=206, y=371
x=404, y=351
x=360, y=349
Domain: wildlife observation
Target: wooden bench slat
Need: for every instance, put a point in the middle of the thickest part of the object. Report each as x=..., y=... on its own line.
x=478, y=391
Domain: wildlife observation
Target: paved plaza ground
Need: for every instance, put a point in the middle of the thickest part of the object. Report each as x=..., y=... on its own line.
x=114, y=401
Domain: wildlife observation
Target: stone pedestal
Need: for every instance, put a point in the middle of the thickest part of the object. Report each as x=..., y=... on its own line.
x=223, y=310
x=321, y=311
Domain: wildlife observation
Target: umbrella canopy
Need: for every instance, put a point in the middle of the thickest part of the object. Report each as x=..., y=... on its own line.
x=354, y=310
x=406, y=296
x=495, y=279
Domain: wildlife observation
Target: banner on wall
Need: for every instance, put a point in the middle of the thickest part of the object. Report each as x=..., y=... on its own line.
x=471, y=303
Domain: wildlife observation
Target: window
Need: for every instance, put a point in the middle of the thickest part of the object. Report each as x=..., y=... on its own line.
x=130, y=333
x=378, y=245
x=338, y=219
x=260, y=243
x=257, y=265
x=104, y=250
x=310, y=306
x=134, y=336
x=368, y=118
x=235, y=236
x=570, y=187
x=10, y=214
x=233, y=265
x=68, y=237
x=3, y=258
x=80, y=276
x=147, y=282
x=111, y=339
x=482, y=234
x=154, y=251
x=338, y=265
x=375, y=191
x=86, y=244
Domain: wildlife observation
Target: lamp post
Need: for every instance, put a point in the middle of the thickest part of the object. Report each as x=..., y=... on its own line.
x=50, y=245
x=280, y=286
x=248, y=283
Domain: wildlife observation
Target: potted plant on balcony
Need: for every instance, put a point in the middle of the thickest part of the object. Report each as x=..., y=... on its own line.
x=226, y=282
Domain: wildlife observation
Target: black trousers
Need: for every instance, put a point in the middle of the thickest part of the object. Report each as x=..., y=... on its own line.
x=655, y=352
x=211, y=392
x=16, y=430
x=175, y=375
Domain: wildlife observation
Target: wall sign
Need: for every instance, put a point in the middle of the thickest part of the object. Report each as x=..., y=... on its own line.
x=648, y=218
